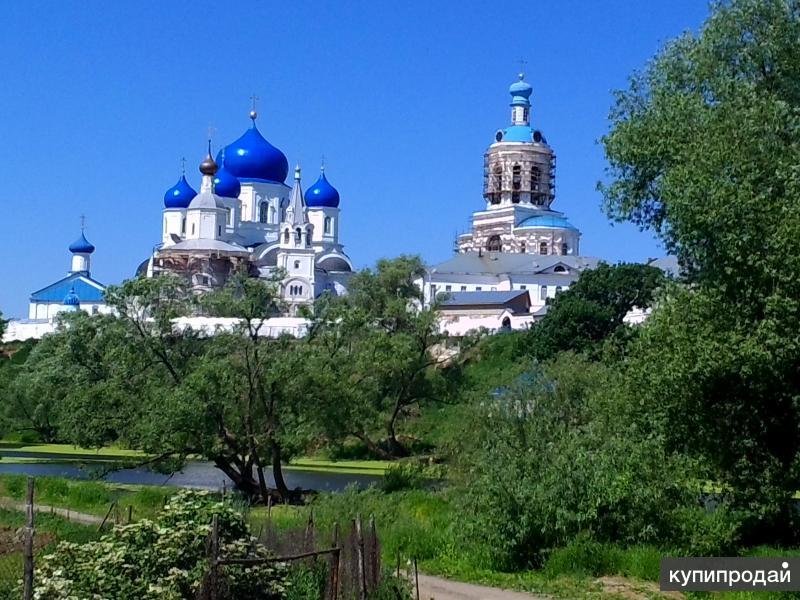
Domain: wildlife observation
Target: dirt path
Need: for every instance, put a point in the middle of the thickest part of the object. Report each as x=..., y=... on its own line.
x=436, y=588
x=70, y=515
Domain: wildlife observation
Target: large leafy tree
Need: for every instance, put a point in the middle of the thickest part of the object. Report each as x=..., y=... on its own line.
x=703, y=150
x=593, y=308
x=375, y=356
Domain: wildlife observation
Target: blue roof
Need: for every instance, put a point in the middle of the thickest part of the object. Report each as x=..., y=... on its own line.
x=86, y=288
x=226, y=185
x=322, y=194
x=252, y=158
x=547, y=221
x=487, y=298
x=179, y=195
x=518, y=133
x=81, y=246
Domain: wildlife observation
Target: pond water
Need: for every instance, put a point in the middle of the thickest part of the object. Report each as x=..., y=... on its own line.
x=195, y=474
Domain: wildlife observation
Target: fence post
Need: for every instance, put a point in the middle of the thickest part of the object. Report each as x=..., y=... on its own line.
x=108, y=514
x=336, y=558
x=28, y=548
x=374, y=554
x=416, y=576
x=362, y=575
x=214, y=556
x=309, y=541
x=130, y=514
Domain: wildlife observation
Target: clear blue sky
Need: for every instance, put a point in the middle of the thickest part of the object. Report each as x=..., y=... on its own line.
x=100, y=100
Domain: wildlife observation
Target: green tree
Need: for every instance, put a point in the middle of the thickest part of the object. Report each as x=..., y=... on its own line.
x=3, y=324
x=592, y=309
x=375, y=355
x=703, y=151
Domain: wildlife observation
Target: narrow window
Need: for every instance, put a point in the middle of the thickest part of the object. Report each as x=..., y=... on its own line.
x=543, y=292
x=478, y=288
x=286, y=236
x=183, y=227
x=516, y=177
x=558, y=290
x=463, y=288
x=448, y=288
x=219, y=231
x=192, y=228
x=298, y=236
x=297, y=264
x=564, y=249
x=515, y=197
x=271, y=214
x=536, y=176
x=543, y=248
x=522, y=248
x=327, y=224
x=263, y=212
x=523, y=287
x=308, y=237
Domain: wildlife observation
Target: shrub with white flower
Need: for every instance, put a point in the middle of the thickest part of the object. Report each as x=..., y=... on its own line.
x=165, y=559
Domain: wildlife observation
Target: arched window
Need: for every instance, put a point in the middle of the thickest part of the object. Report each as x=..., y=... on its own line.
x=558, y=290
x=494, y=244
x=229, y=216
x=183, y=226
x=192, y=228
x=263, y=212
x=327, y=224
x=564, y=249
x=298, y=236
x=515, y=197
x=297, y=264
x=506, y=323
x=219, y=230
x=543, y=292
x=516, y=178
x=542, y=247
x=308, y=237
x=286, y=236
x=522, y=248
x=559, y=269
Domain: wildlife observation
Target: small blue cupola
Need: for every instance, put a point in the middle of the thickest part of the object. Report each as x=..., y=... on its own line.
x=71, y=299
x=322, y=194
x=253, y=158
x=225, y=183
x=520, y=92
x=81, y=246
x=179, y=195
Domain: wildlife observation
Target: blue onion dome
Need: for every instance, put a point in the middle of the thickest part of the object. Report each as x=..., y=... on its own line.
x=251, y=157
x=81, y=246
x=322, y=193
x=520, y=91
x=179, y=195
x=225, y=184
x=71, y=299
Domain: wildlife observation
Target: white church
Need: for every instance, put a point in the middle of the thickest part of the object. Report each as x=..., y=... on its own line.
x=520, y=251
x=247, y=217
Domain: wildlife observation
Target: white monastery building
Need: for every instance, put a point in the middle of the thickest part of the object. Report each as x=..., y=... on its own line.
x=518, y=242
x=247, y=217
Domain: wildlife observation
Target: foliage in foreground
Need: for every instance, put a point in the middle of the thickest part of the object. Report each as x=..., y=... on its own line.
x=165, y=558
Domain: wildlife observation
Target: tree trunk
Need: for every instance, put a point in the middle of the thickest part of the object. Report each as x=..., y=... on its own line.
x=374, y=448
x=244, y=482
x=396, y=449
x=277, y=470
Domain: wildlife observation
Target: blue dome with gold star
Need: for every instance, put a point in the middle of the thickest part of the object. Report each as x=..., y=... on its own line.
x=322, y=194
x=71, y=299
x=179, y=195
x=253, y=158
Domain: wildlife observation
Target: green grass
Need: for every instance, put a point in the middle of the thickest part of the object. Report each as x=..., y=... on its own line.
x=110, y=452
x=350, y=467
x=91, y=497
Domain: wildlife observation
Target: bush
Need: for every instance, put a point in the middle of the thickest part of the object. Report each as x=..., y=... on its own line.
x=403, y=477
x=556, y=457
x=165, y=558
x=584, y=556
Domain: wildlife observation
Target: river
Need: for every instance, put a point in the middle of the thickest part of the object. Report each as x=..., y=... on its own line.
x=195, y=474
